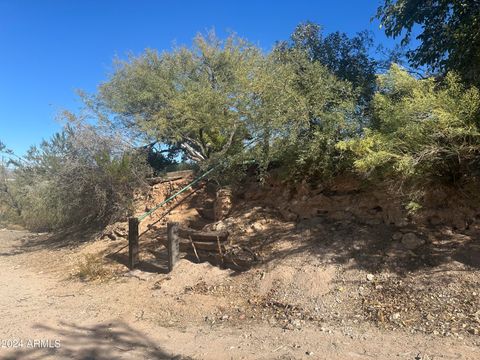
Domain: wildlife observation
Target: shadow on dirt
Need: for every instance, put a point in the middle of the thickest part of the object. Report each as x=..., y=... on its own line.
x=352, y=243
x=25, y=242
x=372, y=247
x=367, y=247
x=114, y=340
x=158, y=265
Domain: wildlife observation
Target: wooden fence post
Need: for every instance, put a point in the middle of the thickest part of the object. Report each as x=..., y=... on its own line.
x=133, y=258
x=173, y=244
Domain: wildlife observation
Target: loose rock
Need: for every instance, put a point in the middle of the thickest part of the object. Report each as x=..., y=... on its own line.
x=397, y=236
x=411, y=241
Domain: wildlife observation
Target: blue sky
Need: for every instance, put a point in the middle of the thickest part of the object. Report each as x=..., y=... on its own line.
x=50, y=48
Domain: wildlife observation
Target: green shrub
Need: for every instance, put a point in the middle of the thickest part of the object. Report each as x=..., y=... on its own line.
x=80, y=176
x=227, y=101
x=422, y=131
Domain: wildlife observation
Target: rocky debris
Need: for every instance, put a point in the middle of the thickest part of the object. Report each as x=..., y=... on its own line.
x=245, y=223
x=121, y=232
x=115, y=231
x=448, y=310
x=411, y=241
x=223, y=204
x=278, y=313
x=395, y=316
x=364, y=222
x=347, y=198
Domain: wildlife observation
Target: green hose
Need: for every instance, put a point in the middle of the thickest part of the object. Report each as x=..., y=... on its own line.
x=142, y=217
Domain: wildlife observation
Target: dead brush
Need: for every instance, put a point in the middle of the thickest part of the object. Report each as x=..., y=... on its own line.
x=93, y=268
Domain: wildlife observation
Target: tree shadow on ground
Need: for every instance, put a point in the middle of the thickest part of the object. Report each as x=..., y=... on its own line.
x=31, y=242
x=106, y=341
x=158, y=264
x=369, y=247
x=359, y=245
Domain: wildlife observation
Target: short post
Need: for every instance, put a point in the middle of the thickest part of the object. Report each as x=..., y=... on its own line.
x=173, y=244
x=133, y=258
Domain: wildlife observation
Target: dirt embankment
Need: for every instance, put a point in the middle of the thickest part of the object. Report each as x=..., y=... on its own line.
x=337, y=253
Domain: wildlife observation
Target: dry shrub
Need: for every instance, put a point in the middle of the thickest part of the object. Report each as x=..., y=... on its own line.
x=93, y=268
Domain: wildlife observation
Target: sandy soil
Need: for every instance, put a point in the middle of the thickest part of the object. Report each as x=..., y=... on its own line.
x=198, y=312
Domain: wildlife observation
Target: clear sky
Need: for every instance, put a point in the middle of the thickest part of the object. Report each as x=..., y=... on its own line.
x=49, y=48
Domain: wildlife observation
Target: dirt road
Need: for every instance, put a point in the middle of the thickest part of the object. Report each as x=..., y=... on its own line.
x=44, y=315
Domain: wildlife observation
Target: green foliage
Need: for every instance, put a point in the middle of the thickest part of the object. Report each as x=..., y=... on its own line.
x=78, y=177
x=347, y=57
x=329, y=110
x=222, y=100
x=9, y=207
x=195, y=99
x=449, y=33
x=426, y=131
x=9, y=210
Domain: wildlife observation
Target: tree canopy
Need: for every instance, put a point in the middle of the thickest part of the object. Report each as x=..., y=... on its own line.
x=346, y=57
x=215, y=98
x=448, y=32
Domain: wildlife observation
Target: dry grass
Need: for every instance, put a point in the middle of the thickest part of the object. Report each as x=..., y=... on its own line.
x=93, y=268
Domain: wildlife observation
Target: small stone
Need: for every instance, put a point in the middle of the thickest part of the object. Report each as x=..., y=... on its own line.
x=411, y=241
x=473, y=331
x=396, y=316
x=296, y=323
x=370, y=277
x=309, y=353
x=397, y=236
x=362, y=291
